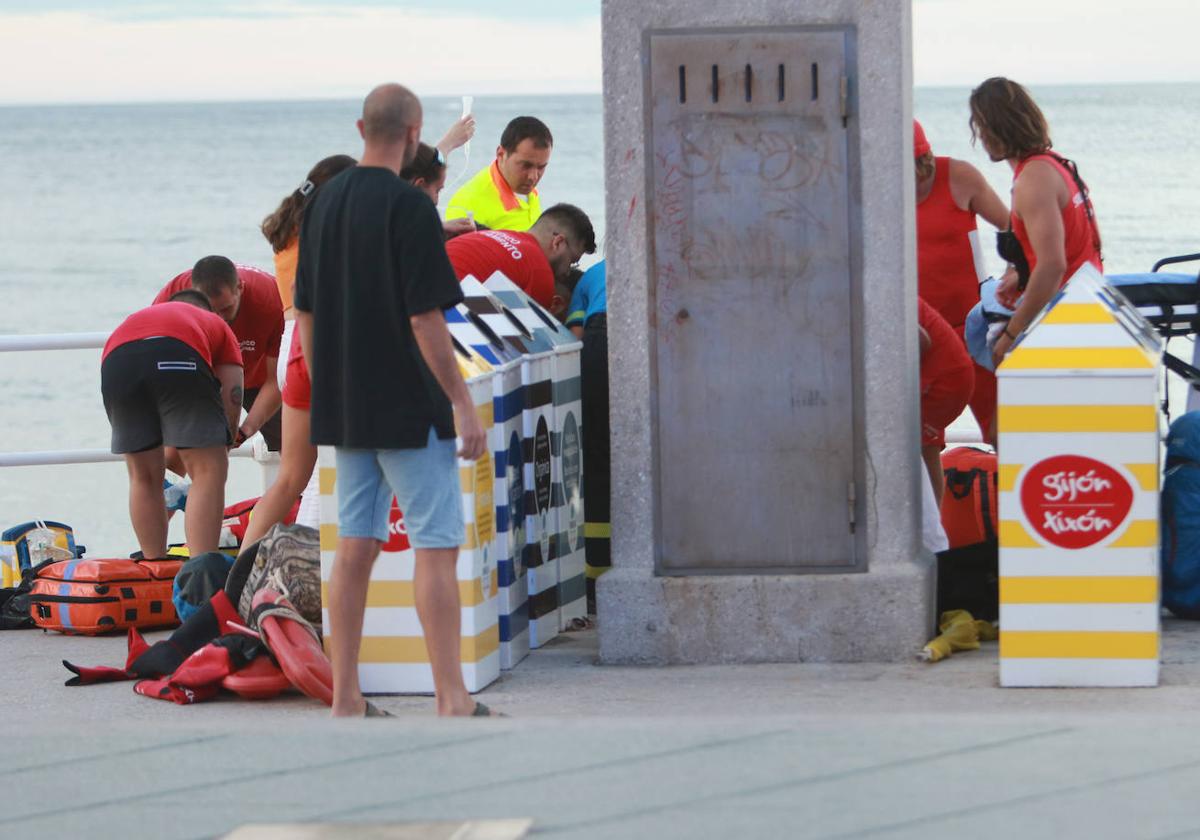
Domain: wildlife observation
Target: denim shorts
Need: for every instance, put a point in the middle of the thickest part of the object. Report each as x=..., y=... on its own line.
x=424, y=481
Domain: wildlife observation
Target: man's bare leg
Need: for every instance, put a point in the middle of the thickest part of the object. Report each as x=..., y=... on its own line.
x=435, y=584
x=208, y=466
x=146, y=511
x=347, y=602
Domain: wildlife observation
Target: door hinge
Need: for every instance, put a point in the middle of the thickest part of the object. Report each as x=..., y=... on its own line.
x=844, y=98
x=851, y=497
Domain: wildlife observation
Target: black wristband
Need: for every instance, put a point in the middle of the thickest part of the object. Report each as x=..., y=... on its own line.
x=1011, y=337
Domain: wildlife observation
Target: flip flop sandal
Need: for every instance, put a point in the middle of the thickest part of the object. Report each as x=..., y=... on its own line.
x=374, y=711
x=481, y=710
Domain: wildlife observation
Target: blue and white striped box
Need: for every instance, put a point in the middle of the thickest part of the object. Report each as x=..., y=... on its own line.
x=566, y=443
x=507, y=448
x=537, y=378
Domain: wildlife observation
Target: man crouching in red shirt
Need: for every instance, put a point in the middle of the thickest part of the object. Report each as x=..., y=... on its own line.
x=947, y=381
x=537, y=260
x=172, y=374
x=247, y=299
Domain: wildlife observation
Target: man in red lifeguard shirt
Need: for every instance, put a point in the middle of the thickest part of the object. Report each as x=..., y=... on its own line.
x=1052, y=228
x=535, y=260
x=947, y=380
x=171, y=374
x=951, y=193
x=248, y=300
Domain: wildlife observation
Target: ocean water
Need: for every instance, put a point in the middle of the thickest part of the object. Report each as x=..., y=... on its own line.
x=101, y=205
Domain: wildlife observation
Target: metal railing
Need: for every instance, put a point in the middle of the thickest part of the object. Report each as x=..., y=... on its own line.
x=252, y=448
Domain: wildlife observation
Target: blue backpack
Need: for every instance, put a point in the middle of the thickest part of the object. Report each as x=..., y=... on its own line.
x=1180, y=546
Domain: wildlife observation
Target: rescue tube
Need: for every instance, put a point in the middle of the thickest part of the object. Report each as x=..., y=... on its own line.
x=295, y=645
x=262, y=679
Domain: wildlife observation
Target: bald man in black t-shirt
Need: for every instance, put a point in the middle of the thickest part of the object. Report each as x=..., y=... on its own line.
x=372, y=282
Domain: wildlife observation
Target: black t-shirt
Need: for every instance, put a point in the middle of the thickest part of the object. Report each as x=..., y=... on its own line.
x=371, y=256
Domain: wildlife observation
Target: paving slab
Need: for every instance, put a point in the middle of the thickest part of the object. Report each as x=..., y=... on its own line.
x=469, y=830
x=807, y=751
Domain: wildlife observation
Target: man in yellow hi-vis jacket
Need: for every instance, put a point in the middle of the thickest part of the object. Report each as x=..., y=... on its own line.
x=503, y=195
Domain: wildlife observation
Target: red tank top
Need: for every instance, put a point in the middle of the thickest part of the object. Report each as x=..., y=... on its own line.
x=1080, y=237
x=946, y=277
x=946, y=352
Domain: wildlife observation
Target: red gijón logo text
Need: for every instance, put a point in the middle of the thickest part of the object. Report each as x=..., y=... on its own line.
x=397, y=534
x=1073, y=501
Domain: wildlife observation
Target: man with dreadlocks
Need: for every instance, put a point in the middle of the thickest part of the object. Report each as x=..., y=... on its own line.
x=1052, y=228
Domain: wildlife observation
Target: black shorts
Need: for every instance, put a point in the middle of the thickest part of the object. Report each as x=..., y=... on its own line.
x=159, y=391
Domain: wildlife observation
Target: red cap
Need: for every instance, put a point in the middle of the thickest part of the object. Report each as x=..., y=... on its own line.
x=920, y=143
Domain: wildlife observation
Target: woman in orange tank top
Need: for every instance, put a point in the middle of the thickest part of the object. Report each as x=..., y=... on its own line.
x=297, y=455
x=282, y=227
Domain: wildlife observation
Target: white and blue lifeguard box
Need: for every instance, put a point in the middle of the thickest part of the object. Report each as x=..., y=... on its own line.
x=537, y=379
x=566, y=443
x=507, y=446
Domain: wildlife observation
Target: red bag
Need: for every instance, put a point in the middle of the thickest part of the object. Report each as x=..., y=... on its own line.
x=237, y=517
x=90, y=597
x=970, y=505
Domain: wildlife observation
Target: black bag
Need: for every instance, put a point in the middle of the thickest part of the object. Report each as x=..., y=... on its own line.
x=14, y=608
x=969, y=579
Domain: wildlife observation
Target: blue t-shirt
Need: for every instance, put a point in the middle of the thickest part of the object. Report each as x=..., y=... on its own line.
x=589, y=296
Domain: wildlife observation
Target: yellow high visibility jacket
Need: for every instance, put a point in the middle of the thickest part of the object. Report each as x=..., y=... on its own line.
x=492, y=202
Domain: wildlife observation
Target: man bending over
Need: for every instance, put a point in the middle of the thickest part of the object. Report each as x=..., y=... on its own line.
x=172, y=374
x=538, y=261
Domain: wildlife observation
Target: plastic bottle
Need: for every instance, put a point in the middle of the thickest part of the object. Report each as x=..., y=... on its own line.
x=41, y=542
x=175, y=493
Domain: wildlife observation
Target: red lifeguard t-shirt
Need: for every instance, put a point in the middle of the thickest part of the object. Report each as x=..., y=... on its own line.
x=203, y=331
x=514, y=253
x=259, y=321
x=946, y=352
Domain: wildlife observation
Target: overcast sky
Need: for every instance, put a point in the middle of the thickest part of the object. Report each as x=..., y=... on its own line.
x=152, y=50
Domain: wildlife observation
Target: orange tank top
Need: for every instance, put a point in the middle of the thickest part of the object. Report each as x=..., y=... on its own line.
x=285, y=271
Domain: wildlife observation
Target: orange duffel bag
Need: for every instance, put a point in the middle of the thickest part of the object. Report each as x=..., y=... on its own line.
x=970, y=502
x=90, y=597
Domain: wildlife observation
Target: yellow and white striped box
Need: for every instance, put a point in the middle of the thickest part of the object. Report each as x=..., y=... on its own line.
x=393, y=658
x=1079, y=480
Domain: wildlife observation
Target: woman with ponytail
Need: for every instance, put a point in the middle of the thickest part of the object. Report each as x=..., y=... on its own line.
x=282, y=227
x=297, y=455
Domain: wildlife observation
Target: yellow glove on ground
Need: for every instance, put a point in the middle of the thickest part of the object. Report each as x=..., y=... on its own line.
x=959, y=631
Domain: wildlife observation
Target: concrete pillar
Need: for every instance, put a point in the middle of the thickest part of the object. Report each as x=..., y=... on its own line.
x=669, y=599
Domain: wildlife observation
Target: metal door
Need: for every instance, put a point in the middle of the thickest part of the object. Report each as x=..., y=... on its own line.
x=753, y=245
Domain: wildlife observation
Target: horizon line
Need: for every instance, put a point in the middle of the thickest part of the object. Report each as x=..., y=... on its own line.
x=65, y=103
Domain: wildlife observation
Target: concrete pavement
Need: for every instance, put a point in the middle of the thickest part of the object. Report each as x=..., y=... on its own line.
x=820, y=751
